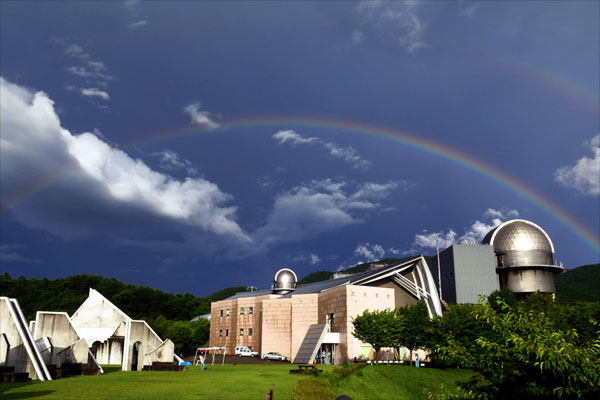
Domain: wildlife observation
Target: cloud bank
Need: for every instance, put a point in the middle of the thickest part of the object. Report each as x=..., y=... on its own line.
x=584, y=175
x=474, y=234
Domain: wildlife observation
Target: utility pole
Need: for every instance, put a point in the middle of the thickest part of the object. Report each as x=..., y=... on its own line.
x=437, y=249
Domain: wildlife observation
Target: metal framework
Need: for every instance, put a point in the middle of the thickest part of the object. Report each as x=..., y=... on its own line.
x=214, y=351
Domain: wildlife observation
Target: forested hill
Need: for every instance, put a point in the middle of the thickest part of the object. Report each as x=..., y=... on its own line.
x=139, y=302
x=324, y=275
x=67, y=294
x=579, y=284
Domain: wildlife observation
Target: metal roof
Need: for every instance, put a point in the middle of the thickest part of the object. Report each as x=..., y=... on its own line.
x=318, y=287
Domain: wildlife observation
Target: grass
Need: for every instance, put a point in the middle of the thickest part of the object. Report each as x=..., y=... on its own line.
x=397, y=382
x=250, y=381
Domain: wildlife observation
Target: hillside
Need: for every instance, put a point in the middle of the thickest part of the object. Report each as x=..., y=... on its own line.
x=579, y=284
x=324, y=275
x=139, y=302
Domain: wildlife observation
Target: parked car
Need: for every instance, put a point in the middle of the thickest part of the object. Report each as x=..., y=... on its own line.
x=274, y=356
x=243, y=351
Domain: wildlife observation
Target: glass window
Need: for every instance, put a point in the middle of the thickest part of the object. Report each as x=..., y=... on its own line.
x=250, y=310
x=220, y=332
x=242, y=332
x=226, y=332
x=249, y=331
x=221, y=313
x=227, y=312
x=241, y=310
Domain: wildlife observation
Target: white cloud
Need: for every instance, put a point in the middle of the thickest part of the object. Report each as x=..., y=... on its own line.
x=584, y=175
x=394, y=251
x=372, y=252
x=138, y=24
x=290, y=136
x=321, y=206
x=348, y=154
x=473, y=234
x=95, y=92
x=95, y=186
x=170, y=160
x=429, y=240
x=398, y=18
x=199, y=117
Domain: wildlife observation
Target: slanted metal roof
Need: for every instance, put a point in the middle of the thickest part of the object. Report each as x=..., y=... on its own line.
x=318, y=287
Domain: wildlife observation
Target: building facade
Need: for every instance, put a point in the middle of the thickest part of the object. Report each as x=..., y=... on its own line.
x=314, y=321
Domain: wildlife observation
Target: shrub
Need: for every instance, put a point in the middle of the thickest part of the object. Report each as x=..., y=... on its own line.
x=314, y=389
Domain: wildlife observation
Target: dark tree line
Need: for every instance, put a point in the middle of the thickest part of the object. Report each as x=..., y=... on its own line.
x=168, y=314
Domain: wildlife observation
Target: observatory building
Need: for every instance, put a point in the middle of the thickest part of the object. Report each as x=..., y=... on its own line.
x=301, y=321
x=516, y=255
x=524, y=257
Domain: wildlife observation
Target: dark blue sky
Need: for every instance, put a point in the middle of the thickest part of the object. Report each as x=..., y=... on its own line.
x=87, y=85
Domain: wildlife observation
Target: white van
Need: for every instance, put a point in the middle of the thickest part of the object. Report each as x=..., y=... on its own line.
x=243, y=351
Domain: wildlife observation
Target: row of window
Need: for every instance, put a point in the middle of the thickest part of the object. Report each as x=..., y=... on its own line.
x=242, y=311
x=241, y=332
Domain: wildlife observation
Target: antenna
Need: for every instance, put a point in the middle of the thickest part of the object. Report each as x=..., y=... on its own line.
x=437, y=249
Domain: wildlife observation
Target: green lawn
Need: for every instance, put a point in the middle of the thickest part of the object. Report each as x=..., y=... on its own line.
x=231, y=382
x=215, y=382
x=397, y=382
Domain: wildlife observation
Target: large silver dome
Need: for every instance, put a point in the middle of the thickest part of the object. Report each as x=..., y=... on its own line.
x=518, y=235
x=284, y=281
x=524, y=254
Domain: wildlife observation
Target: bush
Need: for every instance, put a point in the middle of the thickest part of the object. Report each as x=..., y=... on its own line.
x=339, y=374
x=314, y=389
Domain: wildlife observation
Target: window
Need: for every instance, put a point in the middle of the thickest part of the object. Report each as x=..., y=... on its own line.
x=226, y=332
x=249, y=331
x=220, y=332
x=241, y=310
x=242, y=332
x=227, y=312
x=330, y=319
x=250, y=310
x=221, y=313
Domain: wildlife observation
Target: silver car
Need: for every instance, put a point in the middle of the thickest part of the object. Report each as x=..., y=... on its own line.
x=274, y=356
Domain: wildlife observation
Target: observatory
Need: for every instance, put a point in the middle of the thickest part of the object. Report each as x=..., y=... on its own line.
x=524, y=257
x=284, y=281
x=316, y=318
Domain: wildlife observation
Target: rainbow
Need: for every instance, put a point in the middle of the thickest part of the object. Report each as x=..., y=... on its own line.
x=419, y=143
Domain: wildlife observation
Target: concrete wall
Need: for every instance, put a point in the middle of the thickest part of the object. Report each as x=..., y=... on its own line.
x=347, y=302
x=16, y=356
x=97, y=319
x=277, y=326
x=67, y=346
x=139, y=331
x=305, y=308
x=232, y=323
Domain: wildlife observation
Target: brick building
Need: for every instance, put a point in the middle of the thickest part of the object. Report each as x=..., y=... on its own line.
x=316, y=319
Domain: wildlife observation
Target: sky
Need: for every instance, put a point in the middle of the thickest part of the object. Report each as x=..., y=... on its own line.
x=192, y=146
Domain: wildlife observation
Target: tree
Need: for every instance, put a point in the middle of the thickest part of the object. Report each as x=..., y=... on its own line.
x=527, y=358
x=415, y=329
x=378, y=328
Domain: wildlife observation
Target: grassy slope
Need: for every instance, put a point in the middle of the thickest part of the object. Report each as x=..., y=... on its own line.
x=398, y=382
x=250, y=381
x=579, y=284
